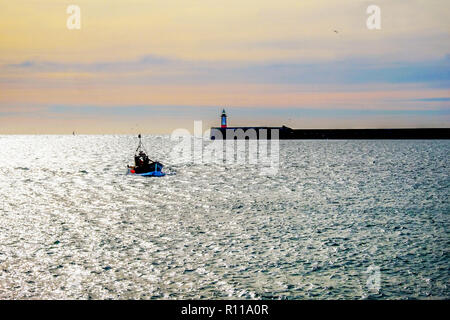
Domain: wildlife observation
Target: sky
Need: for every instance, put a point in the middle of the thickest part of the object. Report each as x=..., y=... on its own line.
x=154, y=66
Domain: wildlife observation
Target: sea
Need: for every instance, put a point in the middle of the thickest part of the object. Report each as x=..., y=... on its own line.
x=334, y=220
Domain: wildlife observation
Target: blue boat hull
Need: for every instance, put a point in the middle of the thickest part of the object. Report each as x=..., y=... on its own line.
x=151, y=174
x=148, y=174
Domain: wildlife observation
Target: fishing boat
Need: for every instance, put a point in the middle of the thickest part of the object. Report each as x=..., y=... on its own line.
x=143, y=165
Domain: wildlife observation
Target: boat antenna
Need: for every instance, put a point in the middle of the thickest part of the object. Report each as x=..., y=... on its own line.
x=140, y=143
x=141, y=146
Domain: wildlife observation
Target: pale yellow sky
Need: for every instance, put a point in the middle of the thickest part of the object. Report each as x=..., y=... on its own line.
x=215, y=30
x=236, y=53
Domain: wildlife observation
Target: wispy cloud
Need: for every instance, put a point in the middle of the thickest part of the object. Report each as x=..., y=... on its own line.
x=156, y=69
x=443, y=99
x=110, y=66
x=194, y=112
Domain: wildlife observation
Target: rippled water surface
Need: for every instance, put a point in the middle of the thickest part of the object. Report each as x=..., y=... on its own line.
x=73, y=225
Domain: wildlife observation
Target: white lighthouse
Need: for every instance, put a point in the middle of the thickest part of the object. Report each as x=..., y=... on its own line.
x=223, y=119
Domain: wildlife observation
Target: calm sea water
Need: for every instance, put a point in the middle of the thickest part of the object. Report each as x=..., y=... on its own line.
x=341, y=219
